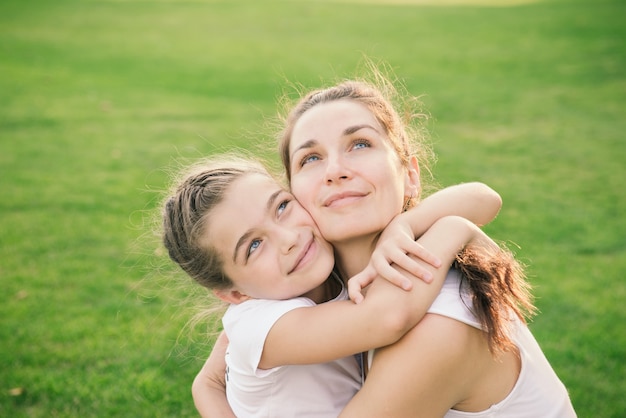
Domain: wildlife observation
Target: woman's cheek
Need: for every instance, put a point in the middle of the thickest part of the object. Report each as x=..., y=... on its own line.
x=303, y=191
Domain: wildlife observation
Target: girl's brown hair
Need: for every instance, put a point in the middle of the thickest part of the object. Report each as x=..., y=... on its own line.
x=186, y=211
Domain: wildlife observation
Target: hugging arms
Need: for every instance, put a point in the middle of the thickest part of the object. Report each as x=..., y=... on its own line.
x=351, y=163
x=332, y=330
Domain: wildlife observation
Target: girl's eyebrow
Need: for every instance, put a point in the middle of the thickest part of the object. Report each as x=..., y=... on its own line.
x=248, y=233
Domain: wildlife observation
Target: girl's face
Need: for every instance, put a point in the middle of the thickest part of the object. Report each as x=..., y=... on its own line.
x=270, y=245
x=345, y=172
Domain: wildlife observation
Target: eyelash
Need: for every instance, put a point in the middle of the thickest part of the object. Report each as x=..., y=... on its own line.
x=250, y=249
x=303, y=160
x=360, y=141
x=283, y=204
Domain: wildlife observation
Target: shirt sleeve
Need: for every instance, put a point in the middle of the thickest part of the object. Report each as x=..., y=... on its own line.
x=247, y=326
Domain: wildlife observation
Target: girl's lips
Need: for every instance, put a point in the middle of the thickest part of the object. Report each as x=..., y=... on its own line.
x=304, y=256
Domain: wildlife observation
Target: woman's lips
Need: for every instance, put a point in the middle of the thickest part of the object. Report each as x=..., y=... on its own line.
x=341, y=199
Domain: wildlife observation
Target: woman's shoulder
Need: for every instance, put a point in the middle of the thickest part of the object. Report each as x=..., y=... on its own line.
x=455, y=301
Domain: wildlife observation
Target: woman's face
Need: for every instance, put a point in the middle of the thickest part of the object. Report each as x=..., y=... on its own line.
x=345, y=172
x=270, y=246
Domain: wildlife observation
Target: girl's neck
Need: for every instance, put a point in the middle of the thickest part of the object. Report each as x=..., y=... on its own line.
x=353, y=256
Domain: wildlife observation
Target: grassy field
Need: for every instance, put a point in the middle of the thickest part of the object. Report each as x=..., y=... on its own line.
x=100, y=99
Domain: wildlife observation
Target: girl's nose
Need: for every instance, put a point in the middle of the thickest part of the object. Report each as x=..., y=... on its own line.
x=287, y=238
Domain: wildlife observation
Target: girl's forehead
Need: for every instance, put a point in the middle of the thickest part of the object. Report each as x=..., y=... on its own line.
x=245, y=205
x=253, y=189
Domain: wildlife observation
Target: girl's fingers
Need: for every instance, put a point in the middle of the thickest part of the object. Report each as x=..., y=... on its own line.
x=392, y=275
x=423, y=254
x=358, y=282
x=387, y=268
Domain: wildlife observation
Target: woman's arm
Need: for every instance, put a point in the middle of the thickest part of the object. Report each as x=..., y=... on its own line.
x=339, y=329
x=209, y=386
x=434, y=367
x=424, y=374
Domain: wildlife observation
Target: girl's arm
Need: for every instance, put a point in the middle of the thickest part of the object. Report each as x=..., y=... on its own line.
x=339, y=329
x=438, y=363
x=475, y=201
x=209, y=386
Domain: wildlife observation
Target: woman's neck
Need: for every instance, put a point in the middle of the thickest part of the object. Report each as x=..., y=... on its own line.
x=325, y=292
x=353, y=256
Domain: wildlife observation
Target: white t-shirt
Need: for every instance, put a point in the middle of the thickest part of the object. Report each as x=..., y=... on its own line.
x=538, y=391
x=317, y=390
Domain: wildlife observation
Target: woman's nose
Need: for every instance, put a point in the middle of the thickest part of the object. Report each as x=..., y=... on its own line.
x=336, y=169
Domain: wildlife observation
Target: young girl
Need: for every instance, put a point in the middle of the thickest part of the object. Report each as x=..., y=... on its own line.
x=237, y=231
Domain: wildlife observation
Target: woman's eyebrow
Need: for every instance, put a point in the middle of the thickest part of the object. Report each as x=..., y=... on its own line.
x=352, y=129
x=348, y=131
x=308, y=144
x=247, y=234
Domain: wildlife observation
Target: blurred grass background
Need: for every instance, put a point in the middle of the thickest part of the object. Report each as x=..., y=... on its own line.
x=99, y=99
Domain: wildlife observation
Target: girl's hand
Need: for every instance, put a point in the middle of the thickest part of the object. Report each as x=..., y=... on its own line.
x=394, y=259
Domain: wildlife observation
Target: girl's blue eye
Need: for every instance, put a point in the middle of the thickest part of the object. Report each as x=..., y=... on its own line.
x=282, y=206
x=253, y=246
x=361, y=144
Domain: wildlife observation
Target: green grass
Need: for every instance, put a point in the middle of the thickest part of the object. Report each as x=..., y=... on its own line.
x=99, y=99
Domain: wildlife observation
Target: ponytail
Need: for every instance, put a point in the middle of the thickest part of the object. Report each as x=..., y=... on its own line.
x=499, y=291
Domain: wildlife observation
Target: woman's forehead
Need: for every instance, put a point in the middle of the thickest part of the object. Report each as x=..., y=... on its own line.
x=336, y=114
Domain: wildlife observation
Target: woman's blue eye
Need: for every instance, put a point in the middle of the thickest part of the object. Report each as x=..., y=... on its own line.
x=309, y=159
x=361, y=144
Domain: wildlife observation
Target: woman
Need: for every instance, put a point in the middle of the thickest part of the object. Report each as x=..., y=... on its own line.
x=350, y=164
x=272, y=264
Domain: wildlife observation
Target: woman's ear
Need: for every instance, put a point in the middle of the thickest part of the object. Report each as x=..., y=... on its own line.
x=412, y=185
x=231, y=296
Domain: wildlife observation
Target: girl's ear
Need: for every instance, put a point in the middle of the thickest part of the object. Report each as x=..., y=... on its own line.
x=412, y=185
x=231, y=296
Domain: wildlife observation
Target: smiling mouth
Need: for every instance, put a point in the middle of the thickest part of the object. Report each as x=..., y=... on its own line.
x=302, y=257
x=342, y=199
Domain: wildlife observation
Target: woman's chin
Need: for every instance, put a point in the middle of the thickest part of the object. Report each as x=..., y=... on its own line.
x=351, y=231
